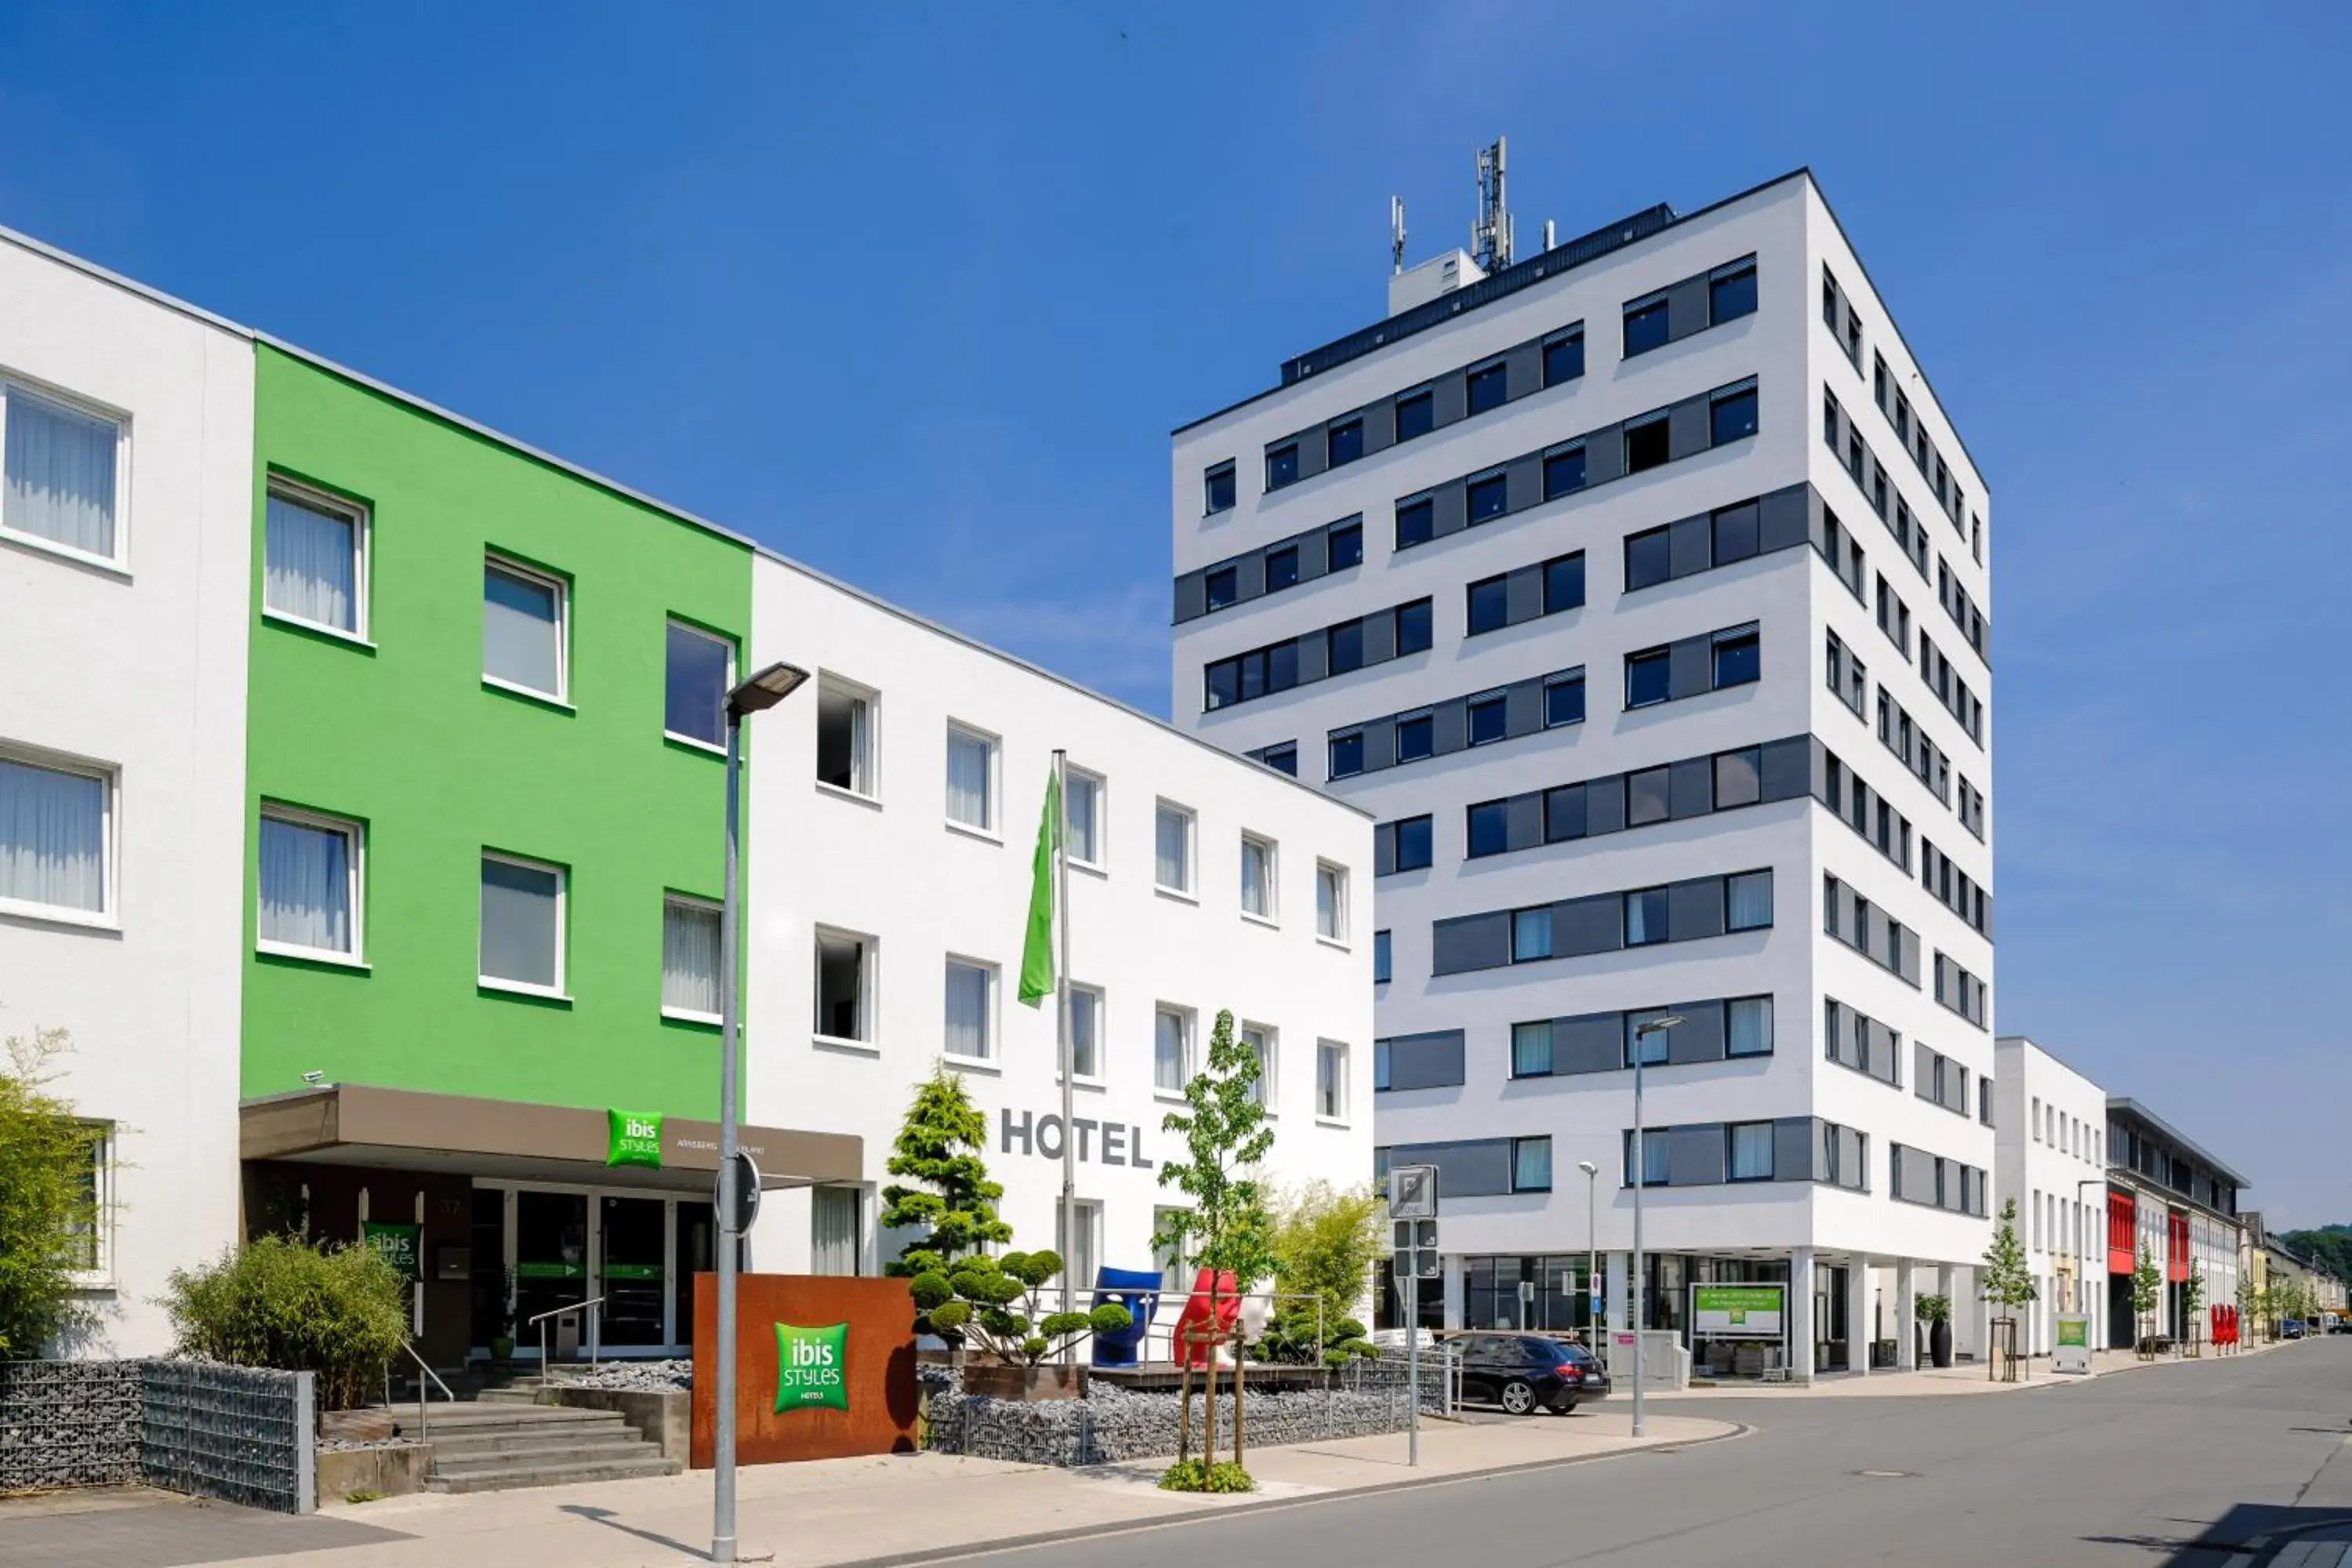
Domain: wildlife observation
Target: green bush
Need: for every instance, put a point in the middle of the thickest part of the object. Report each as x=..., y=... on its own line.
x=341, y=1313
x=1192, y=1475
x=1290, y=1338
x=994, y=1303
x=48, y=1219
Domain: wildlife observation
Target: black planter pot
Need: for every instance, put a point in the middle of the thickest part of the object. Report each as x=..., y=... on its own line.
x=1939, y=1341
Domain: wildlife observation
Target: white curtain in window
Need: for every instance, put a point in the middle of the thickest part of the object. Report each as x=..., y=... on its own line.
x=1531, y=1165
x=1086, y=1024
x=1078, y=1259
x=689, y=957
x=52, y=837
x=1751, y=1027
x=1751, y=1151
x=1255, y=895
x=1263, y=1049
x=1174, y=856
x=1081, y=805
x=832, y=1245
x=1750, y=904
x=521, y=631
x=1167, y=1052
x=306, y=886
x=1327, y=904
x=967, y=1026
x=968, y=781
x=59, y=473
x=312, y=566
x=1332, y=1080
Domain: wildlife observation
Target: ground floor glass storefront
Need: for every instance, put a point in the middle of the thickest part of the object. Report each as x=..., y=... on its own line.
x=617, y=1268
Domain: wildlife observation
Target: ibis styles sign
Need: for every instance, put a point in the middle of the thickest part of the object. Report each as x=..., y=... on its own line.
x=812, y=1368
x=632, y=1138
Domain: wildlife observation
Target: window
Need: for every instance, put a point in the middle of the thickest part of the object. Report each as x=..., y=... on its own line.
x=1257, y=877
x=1381, y=958
x=1645, y=325
x=1731, y=292
x=1331, y=1080
x=1748, y=901
x=1416, y=523
x=57, y=831
x=1175, y=1276
x=1281, y=465
x=1736, y=533
x=845, y=986
x=523, y=630
x=1490, y=604
x=845, y=736
x=1487, y=499
x=1649, y=1043
x=1531, y=1165
x=1748, y=1027
x=314, y=560
x=971, y=779
x=1258, y=1040
x=1344, y=444
x=1172, y=831
x=308, y=890
x=1751, y=1150
x=1086, y=1030
x=1489, y=720
x=1282, y=758
x=1081, y=1255
x=1172, y=1049
x=1647, y=678
x=971, y=1009
x=1415, y=416
x=1563, y=583
x=1416, y=738
x=1412, y=627
x=1645, y=796
x=1739, y=778
x=1222, y=585
x=1531, y=934
x=1330, y=902
x=1413, y=844
x=1564, y=700
x=1646, y=444
x=1347, y=546
x=1344, y=647
x=91, y=1227
x=1563, y=359
x=1563, y=472
x=1217, y=486
x=1739, y=656
x=1347, y=755
x=1731, y=416
x=62, y=472
x=1082, y=809
x=1649, y=558
x=1653, y=1158
x=1645, y=917
x=1531, y=1050
x=1282, y=568
x=1488, y=388
x=522, y=924
x=695, y=684
x=834, y=1242
x=1489, y=829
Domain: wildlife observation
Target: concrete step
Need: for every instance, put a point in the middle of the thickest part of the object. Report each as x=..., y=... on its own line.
x=475, y=1461
x=510, y=1413
x=539, y=1473
x=470, y=1445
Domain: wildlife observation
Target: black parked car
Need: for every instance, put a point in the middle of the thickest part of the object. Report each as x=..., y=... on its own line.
x=1527, y=1373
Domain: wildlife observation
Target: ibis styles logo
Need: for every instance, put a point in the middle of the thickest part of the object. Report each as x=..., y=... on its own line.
x=633, y=1139
x=812, y=1368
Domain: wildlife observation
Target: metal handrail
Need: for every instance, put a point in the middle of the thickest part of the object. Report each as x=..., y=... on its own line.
x=557, y=1312
x=424, y=1429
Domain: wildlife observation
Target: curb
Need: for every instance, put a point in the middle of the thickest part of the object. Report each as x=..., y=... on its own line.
x=1137, y=1526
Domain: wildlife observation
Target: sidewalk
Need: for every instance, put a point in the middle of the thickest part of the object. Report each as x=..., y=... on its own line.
x=853, y=1510
x=1967, y=1378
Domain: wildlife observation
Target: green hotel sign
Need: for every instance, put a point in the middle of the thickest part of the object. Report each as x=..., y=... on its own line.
x=395, y=1244
x=2072, y=1331
x=632, y=1138
x=1735, y=1308
x=812, y=1368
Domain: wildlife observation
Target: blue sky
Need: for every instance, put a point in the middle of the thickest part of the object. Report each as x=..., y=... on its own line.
x=917, y=299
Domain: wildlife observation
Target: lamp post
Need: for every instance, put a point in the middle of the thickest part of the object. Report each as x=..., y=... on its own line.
x=1592, y=1259
x=760, y=692
x=1641, y=1033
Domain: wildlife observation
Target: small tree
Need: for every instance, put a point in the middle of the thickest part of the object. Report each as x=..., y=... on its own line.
x=338, y=1311
x=937, y=1150
x=2006, y=1281
x=48, y=1205
x=2147, y=1290
x=995, y=1300
x=1325, y=1243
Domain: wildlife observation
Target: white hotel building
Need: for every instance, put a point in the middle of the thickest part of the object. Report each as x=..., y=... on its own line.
x=1638, y=589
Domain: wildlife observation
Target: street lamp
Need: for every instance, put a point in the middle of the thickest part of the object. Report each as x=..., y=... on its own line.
x=1591, y=1259
x=763, y=691
x=1641, y=1033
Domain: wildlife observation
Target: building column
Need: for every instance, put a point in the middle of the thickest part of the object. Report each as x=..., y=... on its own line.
x=1621, y=1291
x=1860, y=1322
x=1906, y=1327
x=1800, y=1319
x=1452, y=1286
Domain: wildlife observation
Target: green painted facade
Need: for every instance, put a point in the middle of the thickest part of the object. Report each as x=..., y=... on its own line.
x=405, y=737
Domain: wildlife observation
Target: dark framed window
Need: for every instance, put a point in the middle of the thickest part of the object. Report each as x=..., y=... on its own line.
x=1416, y=415
x=1489, y=719
x=1563, y=473
x=1531, y=1050
x=1346, y=545
x=1282, y=568
x=1344, y=649
x=1645, y=326
x=1563, y=814
x=1645, y=917
x=1738, y=777
x=1645, y=797
x=1649, y=558
x=1218, y=485
x=1347, y=755
x=1281, y=667
x=1732, y=415
x=1530, y=934
x=1748, y=901
x=1487, y=498
x=1412, y=627
x=1748, y=1027
x=1739, y=656
x=1735, y=534
x=1531, y=1173
x=1382, y=964
x=1488, y=388
x=1563, y=583
x=1488, y=828
x=1563, y=358
x=1645, y=445
x=1416, y=523
x=1281, y=465
x=1343, y=444
x=1282, y=759
x=1415, y=844
x=1648, y=676
x=1221, y=684
x=1490, y=604
x=1747, y=1152
x=1731, y=292
x=1223, y=587
x=1416, y=738
x=1564, y=700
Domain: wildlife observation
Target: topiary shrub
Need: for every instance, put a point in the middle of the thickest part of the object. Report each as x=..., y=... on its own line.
x=993, y=1303
x=1290, y=1338
x=338, y=1311
x=1193, y=1475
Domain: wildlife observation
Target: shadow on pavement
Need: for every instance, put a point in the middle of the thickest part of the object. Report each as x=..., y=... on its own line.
x=2247, y=1536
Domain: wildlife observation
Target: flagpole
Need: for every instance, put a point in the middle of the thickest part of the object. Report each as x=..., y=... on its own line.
x=1061, y=1010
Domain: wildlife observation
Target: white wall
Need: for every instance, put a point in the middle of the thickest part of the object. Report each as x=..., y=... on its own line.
x=2051, y=1132
x=893, y=868
x=140, y=668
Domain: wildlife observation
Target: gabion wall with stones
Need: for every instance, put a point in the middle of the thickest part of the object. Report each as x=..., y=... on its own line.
x=1113, y=1423
x=237, y=1433
x=68, y=1423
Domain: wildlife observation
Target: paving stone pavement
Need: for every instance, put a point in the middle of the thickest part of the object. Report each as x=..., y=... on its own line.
x=138, y=1528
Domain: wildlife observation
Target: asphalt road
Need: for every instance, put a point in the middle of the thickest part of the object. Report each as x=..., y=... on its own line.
x=2164, y=1466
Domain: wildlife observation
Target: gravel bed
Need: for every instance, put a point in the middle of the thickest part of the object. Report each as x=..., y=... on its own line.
x=632, y=1376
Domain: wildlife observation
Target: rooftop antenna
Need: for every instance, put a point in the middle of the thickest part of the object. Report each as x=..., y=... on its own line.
x=1491, y=236
x=1396, y=233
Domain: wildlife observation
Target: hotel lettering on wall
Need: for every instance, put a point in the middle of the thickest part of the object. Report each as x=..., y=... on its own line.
x=1099, y=1143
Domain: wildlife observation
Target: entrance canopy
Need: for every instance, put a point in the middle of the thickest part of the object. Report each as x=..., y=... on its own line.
x=405, y=1130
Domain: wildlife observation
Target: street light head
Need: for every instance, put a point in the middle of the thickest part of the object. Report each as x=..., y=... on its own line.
x=765, y=689
x=1659, y=1025
x=1588, y=1168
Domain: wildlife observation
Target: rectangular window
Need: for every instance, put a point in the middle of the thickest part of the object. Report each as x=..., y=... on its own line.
x=1413, y=848
x=62, y=469
x=1748, y=1027
x=1347, y=755
x=1416, y=523
x=1489, y=719
x=1531, y=934
x=1531, y=1050
x=845, y=736
x=1488, y=829
x=1739, y=778
x=699, y=670
x=57, y=831
x=1649, y=558
x=689, y=957
x=522, y=924
x=1645, y=325
x=1258, y=1040
x=971, y=1009
x=1487, y=499
x=1175, y=1274
x=1731, y=292
x=308, y=890
x=1282, y=568
x=1647, y=676
x=1412, y=627
x=1646, y=444
x=1563, y=583
x=1172, y=1049
x=1217, y=487
x=1563, y=473
x=523, y=630
x=1739, y=656
x=1531, y=1165
x=1640, y=1037
x=1751, y=1150
x=1171, y=866
x=1416, y=738
x=1731, y=416
x=1281, y=465
x=1381, y=958
x=1222, y=586
x=1346, y=546
x=1082, y=813
x=1563, y=359
x=1086, y=1030
x=1564, y=700
x=1330, y=902
x=1344, y=647
x=1344, y=444
x=1645, y=917
x=971, y=779
x=1645, y=796
x=314, y=565
x=1488, y=388
x=1415, y=416
x=1331, y=1080
x=1736, y=533
x=844, y=985
x=1257, y=877
x=1282, y=759
x=1490, y=606
x=90, y=1228
x=833, y=1241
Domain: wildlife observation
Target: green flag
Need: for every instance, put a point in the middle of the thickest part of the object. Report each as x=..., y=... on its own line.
x=1037, y=947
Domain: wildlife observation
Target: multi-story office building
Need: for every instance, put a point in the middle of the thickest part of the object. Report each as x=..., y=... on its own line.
x=2173, y=1202
x=2050, y=1133
x=1639, y=590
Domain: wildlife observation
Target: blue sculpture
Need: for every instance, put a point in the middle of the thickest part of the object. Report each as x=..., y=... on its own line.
x=1137, y=1291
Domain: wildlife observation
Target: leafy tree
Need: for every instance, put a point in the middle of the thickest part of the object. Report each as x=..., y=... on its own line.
x=2329, y=1246
x=338, y=1311
x=2192, y=1296
x=49, y=1206
x=2005, y=1280
x=2147, y=1290
x=937, y=1152
x=1325, y=1243
x=994, y=1301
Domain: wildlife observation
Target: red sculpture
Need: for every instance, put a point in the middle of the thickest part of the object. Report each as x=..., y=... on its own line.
x=1196, y=1341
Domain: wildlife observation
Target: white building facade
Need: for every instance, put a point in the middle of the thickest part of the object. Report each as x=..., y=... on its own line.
x=893, y=819
x=1638, y=590
x=2051, y=1127
x=125, y=518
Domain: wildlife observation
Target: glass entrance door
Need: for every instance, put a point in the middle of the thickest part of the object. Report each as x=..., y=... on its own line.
x=551, y=1259
x=698, y=1253
x=631, y=1273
